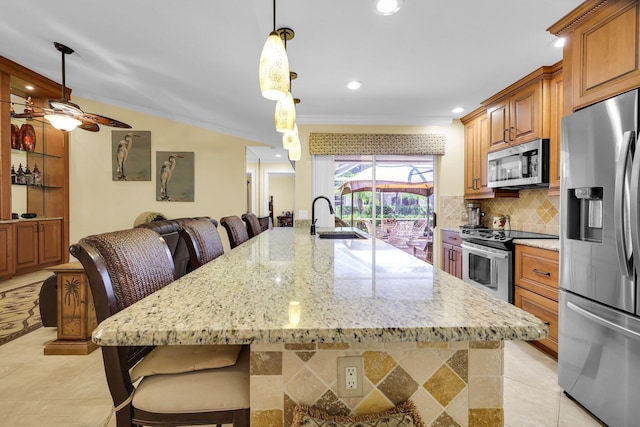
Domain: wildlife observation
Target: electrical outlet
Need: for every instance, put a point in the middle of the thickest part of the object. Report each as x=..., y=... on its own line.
x=351, y=381
x=350, y=376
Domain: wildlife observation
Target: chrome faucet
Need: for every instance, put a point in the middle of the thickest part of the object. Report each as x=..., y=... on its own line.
x=313, y=212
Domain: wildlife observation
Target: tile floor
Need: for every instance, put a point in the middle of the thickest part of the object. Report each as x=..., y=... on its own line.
x=68, y=391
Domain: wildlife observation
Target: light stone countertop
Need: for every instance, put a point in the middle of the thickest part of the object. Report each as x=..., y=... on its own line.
x=244, y=296
x=549, y=244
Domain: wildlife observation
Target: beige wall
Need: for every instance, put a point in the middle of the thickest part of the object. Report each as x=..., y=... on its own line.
x=281, y=188
x=99, y=204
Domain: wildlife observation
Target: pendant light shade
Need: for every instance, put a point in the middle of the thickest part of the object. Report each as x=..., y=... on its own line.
x=274, y=68
x=289, y=138
x=63, y=122
x=295, y=152
x=285, y=116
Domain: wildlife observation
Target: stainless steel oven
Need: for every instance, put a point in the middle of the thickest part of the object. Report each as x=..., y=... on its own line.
x=488, y=268
x=487, y=259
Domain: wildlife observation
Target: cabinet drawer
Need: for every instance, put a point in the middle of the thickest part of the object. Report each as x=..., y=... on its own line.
x=537, y=270
x=451, y=237
x=544, y=309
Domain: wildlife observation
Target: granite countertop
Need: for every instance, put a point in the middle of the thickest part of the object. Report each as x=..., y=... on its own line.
x=360, y=290
x=549, y=244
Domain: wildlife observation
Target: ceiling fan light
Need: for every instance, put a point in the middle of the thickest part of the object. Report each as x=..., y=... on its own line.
x=63, y=122
x=295, y=152
x=274, y=68
x=290, y=138
x=285, y=116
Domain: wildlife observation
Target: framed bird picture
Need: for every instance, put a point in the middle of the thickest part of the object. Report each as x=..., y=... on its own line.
x=131, y=155
x=175, y=176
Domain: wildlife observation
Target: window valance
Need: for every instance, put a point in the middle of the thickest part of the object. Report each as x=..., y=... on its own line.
x=376, y=144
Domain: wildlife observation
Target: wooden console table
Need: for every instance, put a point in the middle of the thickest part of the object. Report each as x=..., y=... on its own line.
x=76, y=312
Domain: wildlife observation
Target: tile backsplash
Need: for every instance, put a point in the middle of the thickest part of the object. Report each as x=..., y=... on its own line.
x=533, y=211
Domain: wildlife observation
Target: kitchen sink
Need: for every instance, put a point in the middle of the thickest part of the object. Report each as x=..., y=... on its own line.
x=342, y=233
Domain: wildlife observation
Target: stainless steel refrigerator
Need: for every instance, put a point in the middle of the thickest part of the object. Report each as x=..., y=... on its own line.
x=599, y=323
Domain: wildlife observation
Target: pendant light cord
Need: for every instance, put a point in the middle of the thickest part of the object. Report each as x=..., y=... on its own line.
x=274, y=15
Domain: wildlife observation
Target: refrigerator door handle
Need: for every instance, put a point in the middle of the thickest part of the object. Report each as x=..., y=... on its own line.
x=634, y=208
x=604, y=322
x=619, y=206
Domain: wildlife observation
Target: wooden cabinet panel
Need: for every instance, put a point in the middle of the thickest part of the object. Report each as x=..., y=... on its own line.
x=537, y=270
x=49, y=248
x=37, y=244
x=526, y=112
x=544, y=309
x=536, y=289
x=520, y=113
x=476, y=146
x=602, y=50
x=26, y=244
x=452, y=253
x=498, y=114
x=6, y=250
x=556, y=95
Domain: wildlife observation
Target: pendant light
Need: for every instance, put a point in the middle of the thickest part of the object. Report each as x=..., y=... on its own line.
x=274, y=65
x=289, y=138
x=295, y=152
x=285, y=114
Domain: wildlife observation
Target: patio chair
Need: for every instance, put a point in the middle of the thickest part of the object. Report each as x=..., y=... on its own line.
x=400, y=234
x=124, y=267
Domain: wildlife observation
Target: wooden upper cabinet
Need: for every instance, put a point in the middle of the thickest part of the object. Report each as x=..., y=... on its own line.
x=519, y=113
x=602, y=49
x=476, y=148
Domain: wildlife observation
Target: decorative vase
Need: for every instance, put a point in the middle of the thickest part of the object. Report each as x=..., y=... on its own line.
x=15, y=137
x=27, y=137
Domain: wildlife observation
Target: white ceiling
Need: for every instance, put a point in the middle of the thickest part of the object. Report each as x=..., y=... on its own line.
x=196, y=61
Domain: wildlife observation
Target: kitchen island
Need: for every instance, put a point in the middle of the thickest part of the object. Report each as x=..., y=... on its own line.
x=302, y=302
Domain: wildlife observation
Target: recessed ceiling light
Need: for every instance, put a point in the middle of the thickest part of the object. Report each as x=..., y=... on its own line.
x=28, y=87
x=388, y=7
x=354, y=84
x=457, y=110
x=559, y=42
x=278, y=155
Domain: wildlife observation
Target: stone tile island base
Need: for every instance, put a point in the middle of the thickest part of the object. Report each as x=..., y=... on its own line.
x=451, y=383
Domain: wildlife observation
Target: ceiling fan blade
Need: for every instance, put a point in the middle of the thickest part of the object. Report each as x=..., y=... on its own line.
x=29, y=115
x=102, y=120
x=89, y=126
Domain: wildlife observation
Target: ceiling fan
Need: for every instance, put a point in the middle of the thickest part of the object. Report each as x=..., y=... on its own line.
x=64, y=114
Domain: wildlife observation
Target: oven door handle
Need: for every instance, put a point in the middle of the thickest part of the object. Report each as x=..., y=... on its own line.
x=486, y=254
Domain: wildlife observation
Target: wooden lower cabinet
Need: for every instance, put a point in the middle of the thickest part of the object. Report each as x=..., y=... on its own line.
x=452, y=253
x=544, y=309
x=536, y=290
x=37, y=244
x=6, y=251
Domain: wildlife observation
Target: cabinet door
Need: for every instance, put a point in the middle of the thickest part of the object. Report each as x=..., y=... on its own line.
x=446, y=257
x=498, y=114
x=526, y=116
x=6, y=250
x=26, y=238
x=49, y=247
x=604, y=51
x=457, y=261
x=543, y=308
x=471, y=155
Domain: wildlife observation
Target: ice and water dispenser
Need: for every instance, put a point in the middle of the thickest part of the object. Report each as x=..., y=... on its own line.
x=585, y=214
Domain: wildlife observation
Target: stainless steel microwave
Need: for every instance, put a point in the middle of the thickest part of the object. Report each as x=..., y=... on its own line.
x=520, y=166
